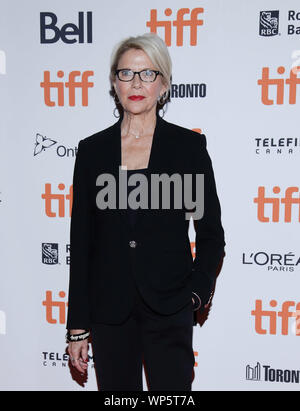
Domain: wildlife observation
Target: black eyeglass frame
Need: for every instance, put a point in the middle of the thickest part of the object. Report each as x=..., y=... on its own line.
x=156, y=72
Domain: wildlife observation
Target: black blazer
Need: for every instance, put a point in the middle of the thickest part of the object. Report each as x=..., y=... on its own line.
x=102, y=272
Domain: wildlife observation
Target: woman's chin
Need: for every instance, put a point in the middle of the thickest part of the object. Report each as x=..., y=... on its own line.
x=135, y=110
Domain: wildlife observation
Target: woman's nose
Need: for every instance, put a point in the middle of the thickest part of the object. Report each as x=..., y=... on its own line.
x=136, y=81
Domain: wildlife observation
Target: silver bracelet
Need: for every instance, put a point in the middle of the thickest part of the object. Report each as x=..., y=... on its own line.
x=77, y=337
x=199, y=301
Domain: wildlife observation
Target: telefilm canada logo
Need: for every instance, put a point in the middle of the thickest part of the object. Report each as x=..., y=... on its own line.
x=277, y=145
x=60, y=359
x=269, y=23
x=268, y=374
x=54, y=359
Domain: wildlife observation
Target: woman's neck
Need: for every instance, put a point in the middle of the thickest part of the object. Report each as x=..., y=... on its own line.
x=138, y=124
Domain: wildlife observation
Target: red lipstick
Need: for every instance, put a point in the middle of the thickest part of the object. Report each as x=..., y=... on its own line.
x=136, y=98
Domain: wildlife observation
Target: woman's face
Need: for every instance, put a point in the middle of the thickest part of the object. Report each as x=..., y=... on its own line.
x=138, y=60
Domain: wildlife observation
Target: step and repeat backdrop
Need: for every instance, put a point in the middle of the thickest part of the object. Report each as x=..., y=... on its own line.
x=236, y=78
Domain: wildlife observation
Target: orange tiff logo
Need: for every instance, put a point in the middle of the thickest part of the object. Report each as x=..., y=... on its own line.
x=276, y=203
x=59, y=86
x=193, y=22
x=60, y=200
x=279, y=84
x=55, y=309
x=266, y=321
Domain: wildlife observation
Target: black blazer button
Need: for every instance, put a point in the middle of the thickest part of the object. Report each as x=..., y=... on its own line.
x=132, y=244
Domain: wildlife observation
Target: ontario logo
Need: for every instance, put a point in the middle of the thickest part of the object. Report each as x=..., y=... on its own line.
x=42, y=143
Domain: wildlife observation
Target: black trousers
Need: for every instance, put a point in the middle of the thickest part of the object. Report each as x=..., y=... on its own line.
x=163, y=343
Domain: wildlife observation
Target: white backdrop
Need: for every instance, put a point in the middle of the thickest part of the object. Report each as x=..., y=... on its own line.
x=251, y=339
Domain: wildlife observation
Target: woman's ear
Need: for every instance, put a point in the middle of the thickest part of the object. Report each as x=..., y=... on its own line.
x=114, y=85
x=163, y=89
x=114, y=90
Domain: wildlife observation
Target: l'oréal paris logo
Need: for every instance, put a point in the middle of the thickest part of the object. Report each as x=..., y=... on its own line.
x=272, y=261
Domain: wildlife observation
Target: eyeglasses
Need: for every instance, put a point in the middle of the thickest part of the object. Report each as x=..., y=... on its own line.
x=147, y=75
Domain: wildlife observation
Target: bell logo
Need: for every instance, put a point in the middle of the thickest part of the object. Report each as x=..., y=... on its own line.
x=288, y=201
x=71, y=85
x=68, y=32
x=61, y=199
x=179, y=23
x=271, y=317
x=266, y=82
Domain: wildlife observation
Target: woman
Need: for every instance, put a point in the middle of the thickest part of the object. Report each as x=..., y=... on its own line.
x=133, y=283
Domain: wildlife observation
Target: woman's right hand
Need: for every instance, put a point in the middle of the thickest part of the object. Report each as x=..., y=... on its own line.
x=78, y=352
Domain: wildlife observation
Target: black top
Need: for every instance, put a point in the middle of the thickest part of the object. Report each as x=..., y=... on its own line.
x=132, y=214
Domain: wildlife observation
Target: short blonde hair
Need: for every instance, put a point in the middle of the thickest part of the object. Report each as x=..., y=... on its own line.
x=154, y=47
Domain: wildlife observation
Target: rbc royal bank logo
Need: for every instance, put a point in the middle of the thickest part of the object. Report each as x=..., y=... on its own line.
x=50, y=253
x=269, y=23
